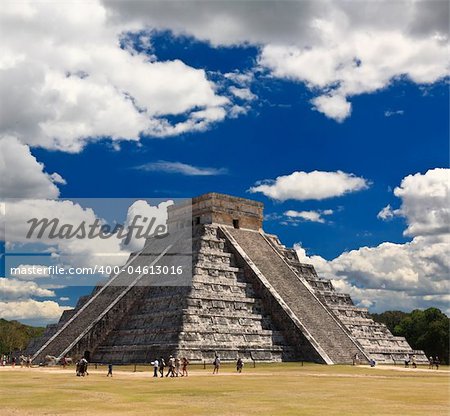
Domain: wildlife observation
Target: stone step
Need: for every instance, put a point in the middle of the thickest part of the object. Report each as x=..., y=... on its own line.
x=330, y=335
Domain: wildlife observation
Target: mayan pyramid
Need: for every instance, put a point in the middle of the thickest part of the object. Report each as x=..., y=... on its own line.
x=248, y=295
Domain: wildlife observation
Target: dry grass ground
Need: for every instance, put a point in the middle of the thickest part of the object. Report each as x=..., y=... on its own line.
x=269, y=389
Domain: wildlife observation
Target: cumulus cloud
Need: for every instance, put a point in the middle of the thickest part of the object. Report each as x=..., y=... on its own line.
x=17, y=292
x=311, y=216
x=349, y=60
x=141, y=212
x=16, y=289
x=77, y=252
x=310, y=185
x=32, y=310
x=71, y=82
x=426, y=202
x=22, y=175
x=230, y=23
x=337, y=49
x=68, y=216
x=387, y=213
x=409, y=275
x=242, y=93
x=80, y=79
x=181, y=168
x=334, y=106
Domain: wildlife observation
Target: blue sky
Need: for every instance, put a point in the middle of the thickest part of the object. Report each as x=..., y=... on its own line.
x=175, y=94
x=279, y=135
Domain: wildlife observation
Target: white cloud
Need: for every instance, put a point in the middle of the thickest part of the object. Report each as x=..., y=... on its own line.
x=242, y=93
x=71, y=83
x=16, y=289
x=312, y=216
x=16, y=292
x=410, y=275
x=22, y=176
x=337, y=49
x=390, y=113
x=387, y=213
x=347, y=60
x=247, y=21
x=32, y=310
x=79, y=251
x=310, y=185
x=242, y=79
x=137, y=212
x=64, y=298
x=57, y=178
x=334, y=106
x=181, y=168
x=426, y=202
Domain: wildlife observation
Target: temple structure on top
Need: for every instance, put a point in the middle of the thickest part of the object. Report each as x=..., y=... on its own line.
x=248, y=295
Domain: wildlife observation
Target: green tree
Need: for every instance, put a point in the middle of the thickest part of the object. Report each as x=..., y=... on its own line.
x=16, y=336
x=427, y=330
x=390, y=318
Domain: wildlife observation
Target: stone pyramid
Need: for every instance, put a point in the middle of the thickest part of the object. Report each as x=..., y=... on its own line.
x=246, y=295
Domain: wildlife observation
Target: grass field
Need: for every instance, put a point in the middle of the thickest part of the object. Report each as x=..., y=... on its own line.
x=268, y=389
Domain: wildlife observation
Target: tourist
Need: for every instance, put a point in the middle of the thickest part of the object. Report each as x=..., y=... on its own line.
x=162, y=365
x=171, y=370
x=406, y=360
x=109, y=370
x=81, y=368
x=372, y=362
x=216, y=364
x=436, y=362
x=155, y=368
x=13, y=362
x=177, y=366
x=414, y=364
x=184, y=365
x=430, y=363
x=239, y=365
x=356, y=359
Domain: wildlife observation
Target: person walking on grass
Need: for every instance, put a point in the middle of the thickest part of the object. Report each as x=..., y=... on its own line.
x=184, y=366
x=109, y=370
x=406, y=360
x=171, y=370
x=239, y=365
x=155, y=368
x=177, y=366
x=436, y=362
x=430, y=363
x=216, y=364
x=162, y=365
